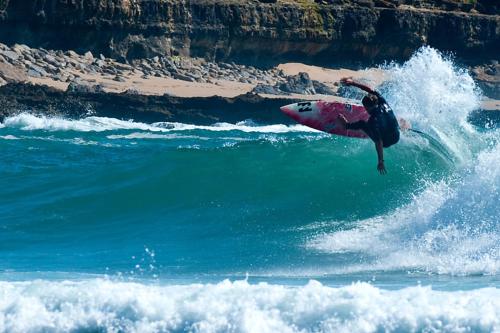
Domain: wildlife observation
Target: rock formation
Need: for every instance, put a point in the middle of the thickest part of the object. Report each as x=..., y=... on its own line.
x=255, y=32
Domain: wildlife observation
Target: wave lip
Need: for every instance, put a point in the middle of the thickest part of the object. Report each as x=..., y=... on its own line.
x=95, y=305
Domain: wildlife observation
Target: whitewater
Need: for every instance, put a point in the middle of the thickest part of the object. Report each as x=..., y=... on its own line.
x=113, y=225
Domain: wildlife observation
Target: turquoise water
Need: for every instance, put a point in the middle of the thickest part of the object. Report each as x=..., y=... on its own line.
x=115, y=225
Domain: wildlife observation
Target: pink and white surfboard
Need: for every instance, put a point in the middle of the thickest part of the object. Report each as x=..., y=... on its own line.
x=321, y=115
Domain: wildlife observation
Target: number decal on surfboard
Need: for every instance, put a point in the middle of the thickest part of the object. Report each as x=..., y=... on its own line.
x=304, y=106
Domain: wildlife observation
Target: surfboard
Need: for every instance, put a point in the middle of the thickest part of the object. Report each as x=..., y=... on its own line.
x=321, y=115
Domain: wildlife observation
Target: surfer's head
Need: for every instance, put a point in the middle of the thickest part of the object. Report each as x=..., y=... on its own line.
x=370, y=102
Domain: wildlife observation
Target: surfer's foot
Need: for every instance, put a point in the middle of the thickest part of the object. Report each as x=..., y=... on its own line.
x=404, y=124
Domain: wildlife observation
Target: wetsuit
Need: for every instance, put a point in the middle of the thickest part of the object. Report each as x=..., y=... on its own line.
x=382, y=124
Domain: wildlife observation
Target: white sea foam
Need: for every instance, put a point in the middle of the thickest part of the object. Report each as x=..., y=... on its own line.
x=450, y=228
x=103, y=305
x=29, y=122
x=147, y=135
x=436, y=96
x=430, y=89
x=244, y=126
x=9, y=137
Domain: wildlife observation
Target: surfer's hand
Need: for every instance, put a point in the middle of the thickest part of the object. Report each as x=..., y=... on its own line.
x=346, y=81
x=341, y=122
x=381, y=168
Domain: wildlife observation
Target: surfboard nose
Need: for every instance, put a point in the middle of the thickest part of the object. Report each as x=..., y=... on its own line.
x=287, y=109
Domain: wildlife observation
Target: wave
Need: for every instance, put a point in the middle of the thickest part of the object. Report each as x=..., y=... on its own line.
x=430, y=213
x=449, y=228
x=436, y=96
x=104, y=305
x=30, y=122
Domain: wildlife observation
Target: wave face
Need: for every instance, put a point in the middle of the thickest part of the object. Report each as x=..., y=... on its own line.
x=176, y=208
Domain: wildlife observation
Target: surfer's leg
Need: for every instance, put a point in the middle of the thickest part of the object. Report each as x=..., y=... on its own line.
x=358, y=125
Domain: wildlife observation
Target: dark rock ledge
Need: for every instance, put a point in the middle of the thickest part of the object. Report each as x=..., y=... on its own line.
x=37, y=99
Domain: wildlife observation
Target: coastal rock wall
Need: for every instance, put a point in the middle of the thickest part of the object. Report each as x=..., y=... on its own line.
x=248, y=31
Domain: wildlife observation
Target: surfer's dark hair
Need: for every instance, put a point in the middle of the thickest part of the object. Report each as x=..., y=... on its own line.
x=370, y=100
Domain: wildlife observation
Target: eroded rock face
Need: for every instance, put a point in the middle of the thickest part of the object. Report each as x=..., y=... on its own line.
x=252, y=31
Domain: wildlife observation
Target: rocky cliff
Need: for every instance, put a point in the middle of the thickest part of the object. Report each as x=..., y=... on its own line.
x=255, y=31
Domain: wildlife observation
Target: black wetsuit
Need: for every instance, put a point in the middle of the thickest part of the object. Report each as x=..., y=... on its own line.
x=382, y=124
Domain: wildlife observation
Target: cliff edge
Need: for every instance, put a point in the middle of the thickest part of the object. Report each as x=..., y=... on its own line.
x=256, y=32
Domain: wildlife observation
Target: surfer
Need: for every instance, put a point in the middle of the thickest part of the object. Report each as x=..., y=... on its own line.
x=382, y=126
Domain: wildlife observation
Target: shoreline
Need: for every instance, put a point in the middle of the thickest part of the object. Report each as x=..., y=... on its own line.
x=166, y=89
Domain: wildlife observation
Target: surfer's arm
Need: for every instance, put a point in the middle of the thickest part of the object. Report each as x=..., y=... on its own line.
x=380, y=154
x=351, y=82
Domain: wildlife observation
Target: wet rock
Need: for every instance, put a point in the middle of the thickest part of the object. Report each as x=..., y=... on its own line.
x=132, y=91
x=490, y=70
x=268, y=89
x=322, y=88
x=299, y=84
x=80, y=86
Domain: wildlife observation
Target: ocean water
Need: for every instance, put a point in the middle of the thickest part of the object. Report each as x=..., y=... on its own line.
x=111, y=225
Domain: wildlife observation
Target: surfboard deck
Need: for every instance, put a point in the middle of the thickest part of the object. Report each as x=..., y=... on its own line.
x=321, y=115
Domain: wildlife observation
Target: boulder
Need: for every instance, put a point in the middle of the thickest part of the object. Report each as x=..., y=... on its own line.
x=89, y=56
x=322, y=88
x=183, y=77
x=10, y=55
x=34, y=68
x=80, y=86
x=267, y=89
x=72, y=54
x=298, y=84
